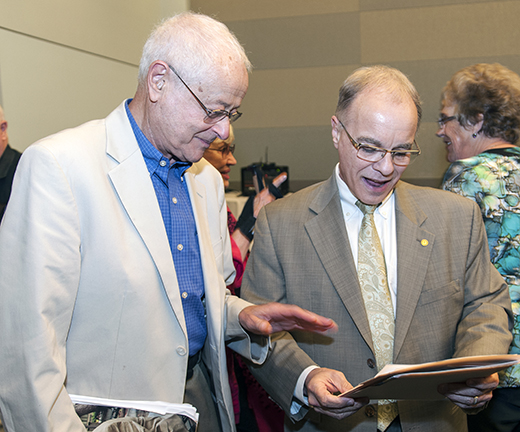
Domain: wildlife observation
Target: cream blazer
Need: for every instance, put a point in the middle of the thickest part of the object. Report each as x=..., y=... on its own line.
x=90, y=299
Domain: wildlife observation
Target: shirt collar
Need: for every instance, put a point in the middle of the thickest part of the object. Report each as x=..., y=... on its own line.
x=348, y=200
x=154, y=159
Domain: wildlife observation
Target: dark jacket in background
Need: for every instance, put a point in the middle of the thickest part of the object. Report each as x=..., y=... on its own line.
x=8, y=163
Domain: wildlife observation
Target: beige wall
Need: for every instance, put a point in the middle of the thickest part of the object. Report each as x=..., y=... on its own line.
x=302, y=50
x=65, y=62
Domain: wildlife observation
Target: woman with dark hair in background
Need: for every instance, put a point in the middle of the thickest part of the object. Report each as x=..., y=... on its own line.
x=254, y=410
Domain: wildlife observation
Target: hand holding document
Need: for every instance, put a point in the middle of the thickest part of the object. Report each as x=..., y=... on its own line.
x=420, y=381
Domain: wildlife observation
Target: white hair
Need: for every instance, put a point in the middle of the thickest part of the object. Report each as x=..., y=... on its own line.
x=194, y=44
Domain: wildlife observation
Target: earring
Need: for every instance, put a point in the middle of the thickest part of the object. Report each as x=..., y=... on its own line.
x=474, y=135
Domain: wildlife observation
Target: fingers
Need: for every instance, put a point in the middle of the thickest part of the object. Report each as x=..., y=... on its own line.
x=291, y=317
x=341, y=413
x=309, y=321
x=322, y=384
x=279, y=179
x=274, y=317
x=267, y=195
x=472, y=394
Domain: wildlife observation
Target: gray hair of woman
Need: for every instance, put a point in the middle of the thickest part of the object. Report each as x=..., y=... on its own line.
x=490, y=92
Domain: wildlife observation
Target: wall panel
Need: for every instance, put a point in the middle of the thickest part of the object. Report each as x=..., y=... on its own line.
x=303, y=50
x=65, y=62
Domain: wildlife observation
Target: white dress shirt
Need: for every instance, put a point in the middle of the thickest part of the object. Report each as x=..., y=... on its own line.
x=384, y=217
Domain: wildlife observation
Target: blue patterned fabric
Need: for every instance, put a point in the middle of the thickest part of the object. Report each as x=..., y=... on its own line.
x=492, y=180
x=177, y=213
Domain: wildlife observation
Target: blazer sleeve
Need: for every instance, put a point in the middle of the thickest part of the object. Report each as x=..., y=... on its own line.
x=40, y=268
x=264, y=282
x=487, y=320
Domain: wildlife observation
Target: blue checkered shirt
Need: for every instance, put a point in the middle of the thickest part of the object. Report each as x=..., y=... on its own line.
x=177, y=213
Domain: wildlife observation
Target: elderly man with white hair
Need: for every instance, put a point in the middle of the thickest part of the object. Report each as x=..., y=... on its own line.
x=115, y=252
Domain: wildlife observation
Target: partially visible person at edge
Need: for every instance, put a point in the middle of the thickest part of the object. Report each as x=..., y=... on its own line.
x=9, y=158
x=115, y=253
x=254, y=410
x=480, y=125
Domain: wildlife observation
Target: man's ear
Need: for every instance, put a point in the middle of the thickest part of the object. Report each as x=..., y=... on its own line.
x=335, y=130
x=156, y=79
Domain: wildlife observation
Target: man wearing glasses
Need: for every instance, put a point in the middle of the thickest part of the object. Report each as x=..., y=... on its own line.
x=115, y=255
x=403, y=270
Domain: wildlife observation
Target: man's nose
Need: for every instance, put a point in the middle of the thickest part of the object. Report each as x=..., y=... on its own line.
x=222, y=128
x=385, y=165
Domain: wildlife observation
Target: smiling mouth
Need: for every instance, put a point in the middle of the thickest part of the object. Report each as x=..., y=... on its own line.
x=376, y=183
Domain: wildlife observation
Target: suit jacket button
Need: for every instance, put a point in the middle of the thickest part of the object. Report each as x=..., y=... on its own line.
x=370, y=411
x=371, y=363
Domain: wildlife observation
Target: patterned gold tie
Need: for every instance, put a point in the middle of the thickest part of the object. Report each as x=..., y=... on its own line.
x=378, y=303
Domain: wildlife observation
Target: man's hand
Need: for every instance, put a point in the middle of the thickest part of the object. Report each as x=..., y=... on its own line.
x=275, y=317
x=473, y=395
x=322, y=384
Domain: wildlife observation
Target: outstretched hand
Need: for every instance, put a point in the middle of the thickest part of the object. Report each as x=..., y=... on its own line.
x=275, y=317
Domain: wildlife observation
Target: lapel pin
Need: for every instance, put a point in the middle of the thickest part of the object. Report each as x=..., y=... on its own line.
x=424, y=242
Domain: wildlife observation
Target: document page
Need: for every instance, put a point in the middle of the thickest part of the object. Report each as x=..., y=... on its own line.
x=420, y=381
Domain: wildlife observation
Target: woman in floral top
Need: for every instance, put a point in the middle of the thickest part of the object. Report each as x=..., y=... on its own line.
x=480, y=125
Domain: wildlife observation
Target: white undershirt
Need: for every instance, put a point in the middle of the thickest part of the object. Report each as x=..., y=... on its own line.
x=384, y=217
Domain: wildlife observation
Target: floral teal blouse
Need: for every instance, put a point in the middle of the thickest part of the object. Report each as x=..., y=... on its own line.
x=492, y=180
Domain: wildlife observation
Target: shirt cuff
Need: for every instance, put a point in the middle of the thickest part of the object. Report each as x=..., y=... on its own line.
x=299, y=398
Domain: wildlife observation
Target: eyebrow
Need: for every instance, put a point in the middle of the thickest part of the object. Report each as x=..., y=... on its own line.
x=226, y=106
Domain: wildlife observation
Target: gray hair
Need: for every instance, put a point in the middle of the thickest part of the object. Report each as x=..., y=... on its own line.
x=194, y=44
x=380, y=77
x=488, y=90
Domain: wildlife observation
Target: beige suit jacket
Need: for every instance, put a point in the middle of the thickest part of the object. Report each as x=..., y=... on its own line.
x=90, y=299
x=450, y=299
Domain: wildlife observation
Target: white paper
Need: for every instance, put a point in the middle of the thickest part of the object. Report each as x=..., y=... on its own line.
x=420, y=381
x=158, y=407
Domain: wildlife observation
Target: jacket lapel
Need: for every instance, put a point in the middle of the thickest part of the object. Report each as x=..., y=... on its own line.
x=328, y=234
x=414, y=246
x=133, y=185
x=214, y=299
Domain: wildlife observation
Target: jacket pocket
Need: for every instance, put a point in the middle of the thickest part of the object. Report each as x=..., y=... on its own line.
x=437, y=294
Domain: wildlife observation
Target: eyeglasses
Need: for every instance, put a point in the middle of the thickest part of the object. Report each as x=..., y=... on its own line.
x=443, y=119
x=370, y=153
x=226, y=150
x=212, y=116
